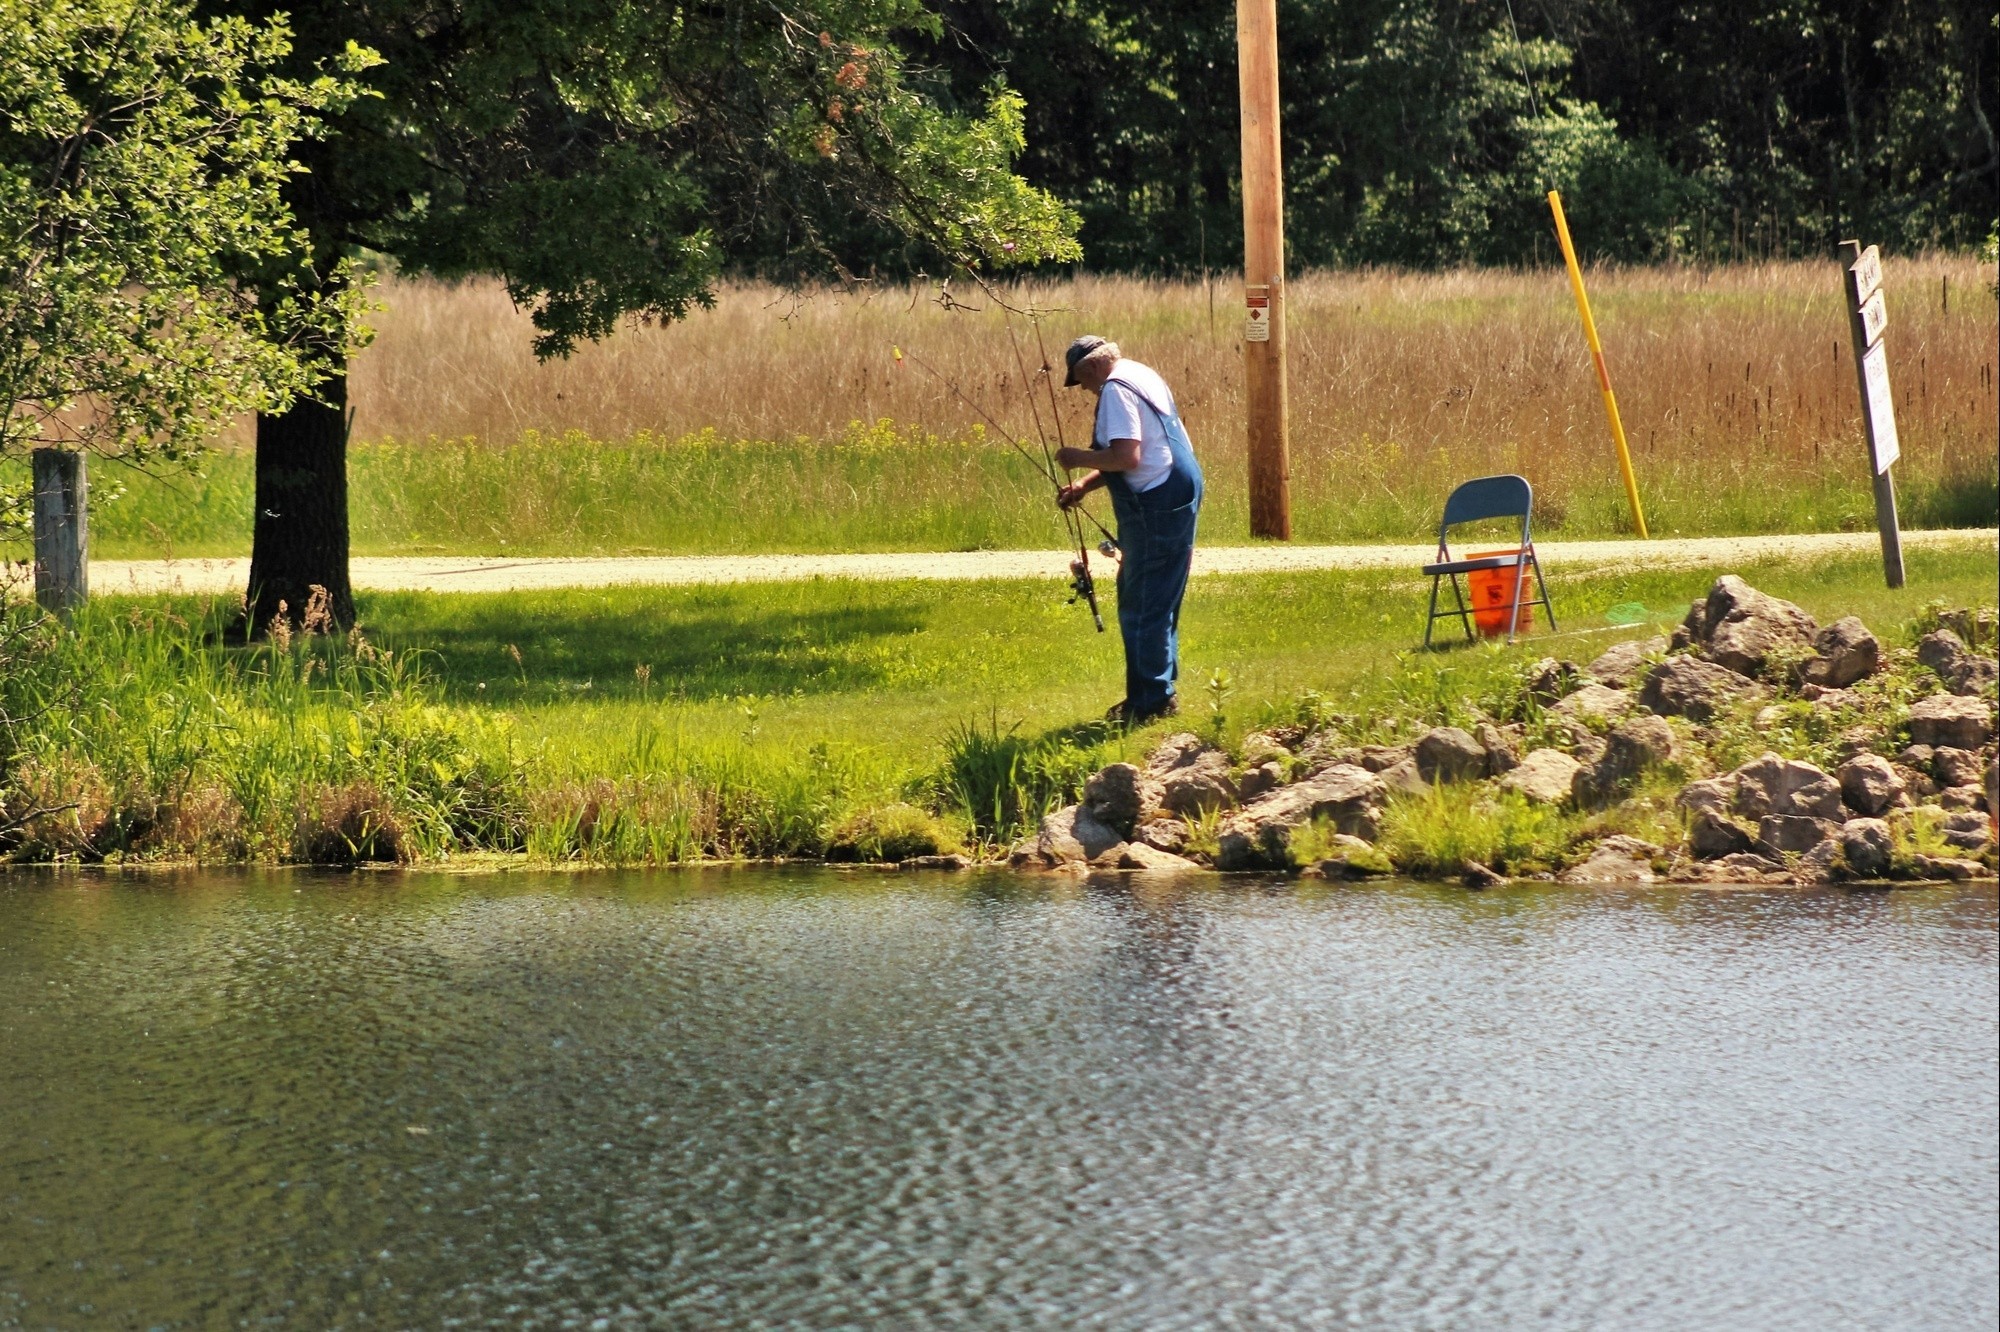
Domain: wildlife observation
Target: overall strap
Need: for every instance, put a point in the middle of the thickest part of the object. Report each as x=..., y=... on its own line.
x=1140, y=394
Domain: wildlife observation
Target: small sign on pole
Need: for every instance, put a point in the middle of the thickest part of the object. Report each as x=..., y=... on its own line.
x=1257, y=314
x=1868, y=320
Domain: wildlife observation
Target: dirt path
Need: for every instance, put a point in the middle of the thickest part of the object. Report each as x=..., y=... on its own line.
x=463, y=574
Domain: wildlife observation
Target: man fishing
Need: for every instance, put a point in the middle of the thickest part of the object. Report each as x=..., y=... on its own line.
x=1140, y=452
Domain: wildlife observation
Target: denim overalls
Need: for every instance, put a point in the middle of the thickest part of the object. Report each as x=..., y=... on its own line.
x=1156, y=534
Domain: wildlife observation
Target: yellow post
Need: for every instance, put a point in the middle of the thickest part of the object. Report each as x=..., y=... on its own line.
x=1597, y=355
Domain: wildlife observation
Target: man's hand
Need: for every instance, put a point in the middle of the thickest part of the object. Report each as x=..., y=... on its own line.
x=1071, y=495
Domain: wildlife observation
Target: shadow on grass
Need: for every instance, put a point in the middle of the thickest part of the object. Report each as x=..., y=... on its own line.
x=501, y=651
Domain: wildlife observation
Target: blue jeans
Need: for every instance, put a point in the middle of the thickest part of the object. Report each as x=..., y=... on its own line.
x=1156, y=533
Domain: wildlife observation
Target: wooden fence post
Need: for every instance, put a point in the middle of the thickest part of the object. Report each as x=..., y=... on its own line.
x=62, y=537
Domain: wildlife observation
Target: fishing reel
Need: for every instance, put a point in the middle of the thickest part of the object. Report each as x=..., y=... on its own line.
x=1084, y=587
x=1109, y=549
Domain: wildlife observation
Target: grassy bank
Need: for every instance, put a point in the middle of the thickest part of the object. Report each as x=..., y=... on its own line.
x=737, y=430
x=776, y=719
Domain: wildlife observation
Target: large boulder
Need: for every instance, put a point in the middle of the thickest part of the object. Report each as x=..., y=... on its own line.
x=1638, y=744
x=1549, y=680
x=1787, y=787
x=1793, y=832
x=1743, y=627
x=1618, y=666
x=1963, y=671
x=1968, y=830
x=1255, y=781
x=1176, y=751
x=1381, y=758
x=1595, y=703
x=1199, y=785
x=1544, y=776
x=1713, y=834
x=1687, y=686
x=1169, y=835
x=1951, y=720
x=1847, y=652
x=1072, y=836
x=1139, y=856
x=1869, y=785
x=1820, y=864
x=1616, y=859
x=1404, y=778
x=1716, y=793
x=1693, y=630
x=1957, y=767
x=1121, y=797
x=1351, y=858
x=1258, y=836
x=1448, y=754
x=1502, y=746
x=1867, y=845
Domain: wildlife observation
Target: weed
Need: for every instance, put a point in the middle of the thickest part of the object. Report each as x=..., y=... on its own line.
x=1204, y=837
x=1002, y=783
x=1437, y=831
x=1320, y=840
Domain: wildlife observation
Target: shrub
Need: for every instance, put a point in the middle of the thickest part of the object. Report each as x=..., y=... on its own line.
x=893, y=833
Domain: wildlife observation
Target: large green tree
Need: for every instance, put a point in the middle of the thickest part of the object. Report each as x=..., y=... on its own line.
x=607, y=158
x=143, y=162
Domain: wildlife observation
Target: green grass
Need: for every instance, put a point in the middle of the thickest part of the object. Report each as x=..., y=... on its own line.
x=670, y=723
x=885, y=488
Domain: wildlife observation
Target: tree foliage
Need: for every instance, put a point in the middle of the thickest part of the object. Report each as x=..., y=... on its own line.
x=610, y=157
x=143, y=159
x=1427, y=131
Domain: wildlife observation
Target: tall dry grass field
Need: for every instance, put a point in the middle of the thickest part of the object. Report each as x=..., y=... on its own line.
x=779, y=421
x=1733, y=382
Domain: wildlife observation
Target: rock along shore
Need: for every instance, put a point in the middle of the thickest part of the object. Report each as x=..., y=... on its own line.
x=1753, y=746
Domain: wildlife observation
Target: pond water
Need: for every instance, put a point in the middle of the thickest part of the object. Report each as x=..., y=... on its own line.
x=778, y=1098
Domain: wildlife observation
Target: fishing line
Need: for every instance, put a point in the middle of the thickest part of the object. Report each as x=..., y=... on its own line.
x=1071, y=521
x=1047, y=470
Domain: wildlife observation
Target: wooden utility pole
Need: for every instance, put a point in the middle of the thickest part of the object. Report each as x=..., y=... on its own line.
x=1263, y=271
x=1867, y=319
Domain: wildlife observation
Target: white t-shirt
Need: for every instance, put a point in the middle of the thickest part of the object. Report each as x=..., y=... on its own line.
x=1121, y=415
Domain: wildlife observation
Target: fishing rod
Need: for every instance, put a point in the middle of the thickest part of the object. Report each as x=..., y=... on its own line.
x=1080, y=580
x=1082, y=585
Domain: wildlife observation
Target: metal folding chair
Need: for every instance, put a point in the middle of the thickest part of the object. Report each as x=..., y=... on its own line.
x=1486, y=497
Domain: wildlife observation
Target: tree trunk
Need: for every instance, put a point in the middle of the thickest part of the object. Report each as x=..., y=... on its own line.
x=301, y=525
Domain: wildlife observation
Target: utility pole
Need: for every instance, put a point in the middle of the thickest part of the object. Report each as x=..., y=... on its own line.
x=1263, y=271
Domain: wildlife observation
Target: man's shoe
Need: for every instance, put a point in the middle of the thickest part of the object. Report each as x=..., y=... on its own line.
x=1121, y=712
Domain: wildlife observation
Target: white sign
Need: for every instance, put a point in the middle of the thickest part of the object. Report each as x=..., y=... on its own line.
x=1867, y=272
x=1881, y=408
x=1257, y=305
x=1874, y=317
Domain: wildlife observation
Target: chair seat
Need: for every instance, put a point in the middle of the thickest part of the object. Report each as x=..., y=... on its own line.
x=1484, y=562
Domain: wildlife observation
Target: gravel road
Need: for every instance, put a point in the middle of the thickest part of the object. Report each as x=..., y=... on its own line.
x=463, y=574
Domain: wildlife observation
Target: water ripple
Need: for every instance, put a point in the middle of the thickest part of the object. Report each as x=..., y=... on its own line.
x=791, y=1099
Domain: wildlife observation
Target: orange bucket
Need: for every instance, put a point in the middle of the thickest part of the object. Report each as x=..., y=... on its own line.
x=1493, y=594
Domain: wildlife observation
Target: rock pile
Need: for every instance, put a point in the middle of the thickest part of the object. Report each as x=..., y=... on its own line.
x=1909, y=789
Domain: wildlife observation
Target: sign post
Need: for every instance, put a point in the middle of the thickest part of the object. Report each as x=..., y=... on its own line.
x=1868, y=319
x=1263, y=271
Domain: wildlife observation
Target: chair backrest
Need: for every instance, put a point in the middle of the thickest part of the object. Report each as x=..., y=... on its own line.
x=1489, y=497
